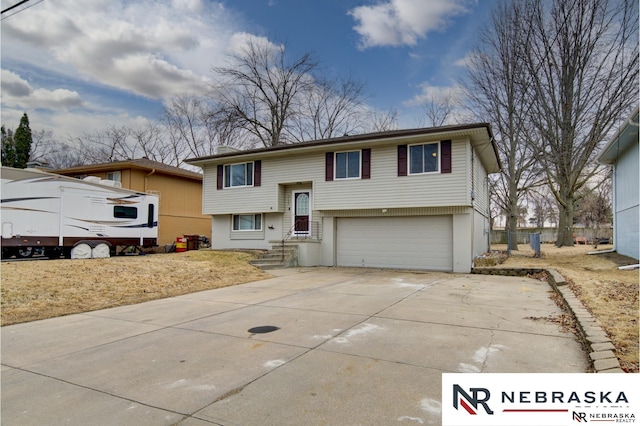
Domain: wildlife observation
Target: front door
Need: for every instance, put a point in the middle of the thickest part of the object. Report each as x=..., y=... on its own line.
x=302, y=211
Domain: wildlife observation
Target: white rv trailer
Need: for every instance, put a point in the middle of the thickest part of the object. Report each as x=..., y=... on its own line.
x=77, y=218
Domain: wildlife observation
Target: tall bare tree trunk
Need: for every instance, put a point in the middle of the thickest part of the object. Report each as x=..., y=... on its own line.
x=513, y=216
x=565, y=224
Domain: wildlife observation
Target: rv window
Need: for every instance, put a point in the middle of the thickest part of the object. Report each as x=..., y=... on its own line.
x=125, y=212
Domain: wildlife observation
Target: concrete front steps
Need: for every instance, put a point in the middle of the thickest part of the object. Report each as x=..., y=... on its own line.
x=278, y=257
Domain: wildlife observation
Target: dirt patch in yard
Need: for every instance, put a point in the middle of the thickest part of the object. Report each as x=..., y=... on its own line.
x=610, y=294
x=33, y=290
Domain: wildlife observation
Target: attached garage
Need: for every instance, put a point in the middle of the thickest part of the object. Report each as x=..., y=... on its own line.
x=414, y=242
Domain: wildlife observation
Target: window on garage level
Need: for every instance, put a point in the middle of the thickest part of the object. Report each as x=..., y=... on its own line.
x=247, y=222
x=424, y=158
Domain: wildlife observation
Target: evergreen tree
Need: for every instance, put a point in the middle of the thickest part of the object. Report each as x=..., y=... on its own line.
x=22, y=141
x=8, y=148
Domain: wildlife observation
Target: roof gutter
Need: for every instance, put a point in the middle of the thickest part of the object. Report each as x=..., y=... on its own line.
x=367, y=137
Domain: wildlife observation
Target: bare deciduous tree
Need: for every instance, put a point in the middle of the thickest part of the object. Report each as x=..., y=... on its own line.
x=542, y=204
x=582, y=61
x=149, y=140
x=104, y=146
x=331, y=108
x=438, y=108
x=383, y=121
x=42, y=145
x=261, y=91
x=115, y=143
x=496, y=86
x=195, y=126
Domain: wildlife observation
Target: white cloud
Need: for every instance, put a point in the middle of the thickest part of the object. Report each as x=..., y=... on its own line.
x=438, y=99
x=239, y=43
x=153, y=49
x=404, y=22
x=429, y=93
x=467, y=60
x=147, y=48
x=18, y=93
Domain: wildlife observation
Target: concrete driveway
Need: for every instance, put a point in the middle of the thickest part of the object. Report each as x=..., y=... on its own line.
x=348, y=346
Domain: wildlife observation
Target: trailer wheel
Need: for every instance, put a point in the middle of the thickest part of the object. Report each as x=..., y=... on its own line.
x=81, y=251
x=101, y=251
x=25, y=252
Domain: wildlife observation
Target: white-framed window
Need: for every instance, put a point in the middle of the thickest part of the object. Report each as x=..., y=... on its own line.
x=238, y=175
x=347, y=165
x=247, y=222
x=114, y=176
x=424, y=158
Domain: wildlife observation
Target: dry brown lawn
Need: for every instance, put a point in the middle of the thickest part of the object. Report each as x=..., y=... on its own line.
x=33, y=290
x=610, y=294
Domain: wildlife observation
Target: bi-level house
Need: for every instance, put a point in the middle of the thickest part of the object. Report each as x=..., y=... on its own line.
x=410, y=199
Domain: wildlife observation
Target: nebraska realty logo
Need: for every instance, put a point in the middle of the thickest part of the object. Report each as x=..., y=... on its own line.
x=539, y=399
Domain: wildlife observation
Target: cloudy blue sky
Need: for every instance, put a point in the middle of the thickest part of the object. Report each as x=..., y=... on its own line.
x=77, y=66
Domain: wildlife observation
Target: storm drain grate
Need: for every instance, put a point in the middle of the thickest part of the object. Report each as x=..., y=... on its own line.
x=263, y=329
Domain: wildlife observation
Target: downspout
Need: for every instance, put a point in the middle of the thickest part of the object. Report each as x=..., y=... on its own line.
x=486, y=180
x=145, y=178
x=613, y=205
x=473, y=209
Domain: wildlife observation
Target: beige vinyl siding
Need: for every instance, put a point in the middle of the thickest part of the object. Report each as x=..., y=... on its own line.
x=480, y=234
x=411, y=211
x=208, y=188
x=386, y=190
x=270, y=195
x=480, y=187
x=383, y=190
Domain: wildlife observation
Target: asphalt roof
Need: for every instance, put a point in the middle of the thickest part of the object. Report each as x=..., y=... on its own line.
x=140, y=163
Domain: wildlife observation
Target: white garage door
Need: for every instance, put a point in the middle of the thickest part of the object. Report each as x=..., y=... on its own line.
x=415, y=242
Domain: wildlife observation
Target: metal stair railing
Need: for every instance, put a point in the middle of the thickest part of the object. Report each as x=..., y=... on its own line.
x=288, y=235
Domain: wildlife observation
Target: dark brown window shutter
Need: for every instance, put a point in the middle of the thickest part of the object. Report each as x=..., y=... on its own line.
x=366, y=163
x=445, y=157
x=257, y=172
x=402, y=160
x=220, y=176
x=328, y=169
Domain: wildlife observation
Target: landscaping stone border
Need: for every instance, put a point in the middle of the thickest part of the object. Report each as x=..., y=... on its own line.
x=601, y=351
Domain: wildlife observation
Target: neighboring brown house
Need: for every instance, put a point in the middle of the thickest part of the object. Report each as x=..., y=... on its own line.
x=180, y=193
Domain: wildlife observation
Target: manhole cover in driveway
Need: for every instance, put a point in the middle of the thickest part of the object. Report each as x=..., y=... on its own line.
x=263, y=329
